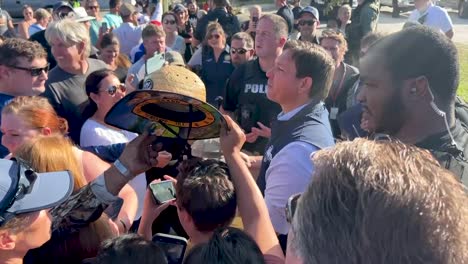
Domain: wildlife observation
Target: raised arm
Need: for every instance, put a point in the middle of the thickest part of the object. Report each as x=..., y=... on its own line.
x=251, y=205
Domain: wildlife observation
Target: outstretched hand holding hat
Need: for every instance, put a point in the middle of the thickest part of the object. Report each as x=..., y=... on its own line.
x=173, y=99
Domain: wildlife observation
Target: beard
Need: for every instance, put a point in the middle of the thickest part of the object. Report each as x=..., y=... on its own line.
x=393, y=115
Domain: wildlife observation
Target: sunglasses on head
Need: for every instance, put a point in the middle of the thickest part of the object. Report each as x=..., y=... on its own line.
x=32, y=71
x=112, y=90
x=239, y=50
x=331, y=31
x=307, y=22
x=169, y=22
x=216, y=36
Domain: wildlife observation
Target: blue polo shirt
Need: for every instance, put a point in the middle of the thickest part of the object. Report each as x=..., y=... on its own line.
x=214, y=74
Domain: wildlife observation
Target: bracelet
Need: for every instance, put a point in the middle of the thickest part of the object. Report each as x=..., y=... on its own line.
x=124, y=225
x=122, y=169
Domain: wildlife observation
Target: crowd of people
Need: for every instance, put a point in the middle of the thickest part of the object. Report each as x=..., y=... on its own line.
x=335, y=146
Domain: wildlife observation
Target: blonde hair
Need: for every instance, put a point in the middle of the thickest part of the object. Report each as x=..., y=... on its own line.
x=69, y=32
x=36, y=112
x=152, y=31
x=59, y=156
x=41, y=13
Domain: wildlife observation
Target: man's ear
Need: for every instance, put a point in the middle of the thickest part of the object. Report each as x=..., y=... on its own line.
x=305, y=86
x=81, y=47
x=282, y=41
x=7, y=240
x=4, y=71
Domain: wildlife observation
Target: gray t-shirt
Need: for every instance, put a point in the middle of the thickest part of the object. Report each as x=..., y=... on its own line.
x=67, y=94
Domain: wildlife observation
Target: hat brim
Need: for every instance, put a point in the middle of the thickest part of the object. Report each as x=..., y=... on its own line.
x=308, y=12
x=169, y=114
x=49, y=189
x=84, y=19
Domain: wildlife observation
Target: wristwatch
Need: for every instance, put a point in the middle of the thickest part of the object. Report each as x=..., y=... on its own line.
x=122, y=169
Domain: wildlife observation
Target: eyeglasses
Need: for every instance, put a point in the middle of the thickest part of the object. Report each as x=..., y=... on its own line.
x=291, y=206
x=307, y=22
x=112, y=90
x=169, y=22
x=93, y=7
x=33, y=71
x=216, y=36
x=241, y=51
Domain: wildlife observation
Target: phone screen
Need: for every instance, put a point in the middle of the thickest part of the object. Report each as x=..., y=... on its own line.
x=174, y=251
x=163, y=192
x=104, y=26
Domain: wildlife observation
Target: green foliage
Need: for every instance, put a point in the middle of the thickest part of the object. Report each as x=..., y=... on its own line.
x=463, y=58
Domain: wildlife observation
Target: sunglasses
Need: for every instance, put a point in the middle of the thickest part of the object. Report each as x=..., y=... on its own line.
x=93, y=7
x=33, y=71
x=241, y=51
x=169, y=22
x=112, y=90
x=291, y=206
x=307, y=22
x=216, y=36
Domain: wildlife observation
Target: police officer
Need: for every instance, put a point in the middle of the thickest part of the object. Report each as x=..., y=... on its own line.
x=245, y=95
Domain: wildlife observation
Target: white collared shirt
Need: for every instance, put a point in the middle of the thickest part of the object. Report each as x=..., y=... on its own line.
x=435, y=17
x=290, y=172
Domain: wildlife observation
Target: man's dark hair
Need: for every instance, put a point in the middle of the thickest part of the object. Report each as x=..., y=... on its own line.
x=205, y=191
x=371, y=38
x=313, y=61
x=220, y=3
x=14, y=48
x=366, y=207
x=130, y=248
x=422, y=51
x=114, y=3
x=227, y=246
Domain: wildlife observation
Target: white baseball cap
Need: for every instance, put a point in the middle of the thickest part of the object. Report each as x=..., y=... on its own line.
x=23, y=191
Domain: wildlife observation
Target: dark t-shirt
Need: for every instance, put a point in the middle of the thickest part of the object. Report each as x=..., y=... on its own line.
x=67, y=94
x=296, y=11
x=286, y=13
x=229, y=22
x=245, y=95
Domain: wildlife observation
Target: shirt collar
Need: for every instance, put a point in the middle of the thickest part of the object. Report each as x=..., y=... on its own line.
x=286, y=116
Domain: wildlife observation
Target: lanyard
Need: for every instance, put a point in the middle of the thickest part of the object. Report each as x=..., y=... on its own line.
x=338, y=90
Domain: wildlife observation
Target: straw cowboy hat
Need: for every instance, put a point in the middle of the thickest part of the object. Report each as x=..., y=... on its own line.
x=173, y=99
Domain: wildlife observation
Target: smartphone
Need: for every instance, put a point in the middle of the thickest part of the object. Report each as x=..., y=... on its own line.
x=291, y=206
x=188, y=27
x=173, y=246
x=104, y=26
x=163, y=191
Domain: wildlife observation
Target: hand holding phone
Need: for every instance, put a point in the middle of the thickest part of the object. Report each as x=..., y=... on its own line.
x=104, y=27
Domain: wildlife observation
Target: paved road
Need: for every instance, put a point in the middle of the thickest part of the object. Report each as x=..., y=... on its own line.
x=389, y=24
